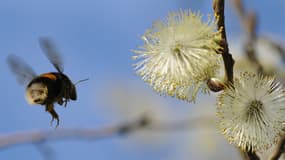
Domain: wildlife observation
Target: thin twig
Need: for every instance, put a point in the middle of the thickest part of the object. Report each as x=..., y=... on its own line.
x=42, y=136
x=275, y=46
x=249, y=23
x=218, y=6
x=37, y=136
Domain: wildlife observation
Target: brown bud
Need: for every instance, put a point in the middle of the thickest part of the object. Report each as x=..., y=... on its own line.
x=215, y=84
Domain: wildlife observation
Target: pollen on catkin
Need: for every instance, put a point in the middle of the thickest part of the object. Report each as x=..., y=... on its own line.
x=251, y=112
x=179, y=55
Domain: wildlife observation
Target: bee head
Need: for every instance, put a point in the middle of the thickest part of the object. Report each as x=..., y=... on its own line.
x=73, y=94
x=36, y=93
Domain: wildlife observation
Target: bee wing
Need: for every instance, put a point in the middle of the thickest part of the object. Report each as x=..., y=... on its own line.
x=51, y=52
x=24, y=73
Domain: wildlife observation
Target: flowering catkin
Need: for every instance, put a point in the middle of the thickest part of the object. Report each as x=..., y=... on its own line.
x=251, y=113
x=179, y=55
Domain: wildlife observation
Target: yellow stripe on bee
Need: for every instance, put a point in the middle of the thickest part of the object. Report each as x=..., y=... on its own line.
x=49, y=76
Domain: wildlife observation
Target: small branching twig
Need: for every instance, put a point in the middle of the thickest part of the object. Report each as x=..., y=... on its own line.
x=126, y=128
x=218, y=6
x=249, y=23
x=250, y=46
x=144, y=122
x=275, y=46
x=38, y=136
x=41, y=136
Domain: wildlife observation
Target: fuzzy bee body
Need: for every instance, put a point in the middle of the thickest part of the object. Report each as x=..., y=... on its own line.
x=47, y=88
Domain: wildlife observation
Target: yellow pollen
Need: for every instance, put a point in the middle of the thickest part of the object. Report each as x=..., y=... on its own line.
x=49, y=75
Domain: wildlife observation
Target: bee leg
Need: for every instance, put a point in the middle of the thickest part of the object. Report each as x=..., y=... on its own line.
x=65, y=102
x=60, y=101
x=50, y=109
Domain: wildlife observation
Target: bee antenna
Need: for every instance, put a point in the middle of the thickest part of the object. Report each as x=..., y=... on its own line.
x=82, y=80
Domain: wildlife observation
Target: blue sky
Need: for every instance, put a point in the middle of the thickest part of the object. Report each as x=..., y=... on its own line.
x=95, y=39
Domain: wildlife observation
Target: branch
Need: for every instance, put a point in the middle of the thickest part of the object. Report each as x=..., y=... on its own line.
x=218, y=6
x=275, y=45
x=249, y=23
x=41, y=136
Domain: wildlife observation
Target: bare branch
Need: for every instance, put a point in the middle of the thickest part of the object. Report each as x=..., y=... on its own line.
x=38, y=136
x=41, y=136
x=218, y=6
x=275, y=46
x=249, y=23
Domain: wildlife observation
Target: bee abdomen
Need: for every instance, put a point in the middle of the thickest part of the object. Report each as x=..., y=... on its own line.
x=36, y=93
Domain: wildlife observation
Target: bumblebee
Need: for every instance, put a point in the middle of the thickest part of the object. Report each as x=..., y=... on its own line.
x=47, y=88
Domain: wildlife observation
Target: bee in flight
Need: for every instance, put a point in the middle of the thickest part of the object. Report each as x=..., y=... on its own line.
x=47, y=88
